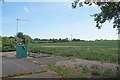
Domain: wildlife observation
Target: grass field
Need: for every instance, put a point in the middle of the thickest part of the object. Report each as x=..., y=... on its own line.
x=105, y=51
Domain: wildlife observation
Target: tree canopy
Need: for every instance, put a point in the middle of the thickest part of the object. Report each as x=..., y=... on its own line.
x=110, y=11
x=23, y=39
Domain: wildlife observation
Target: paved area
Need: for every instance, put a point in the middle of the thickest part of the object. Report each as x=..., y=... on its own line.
x=37, y=66
x=17, y=66
x=47, y=60
x=8, y=54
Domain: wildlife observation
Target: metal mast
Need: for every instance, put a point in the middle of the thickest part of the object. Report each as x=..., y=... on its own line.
x=17, y=27
x=71, y=37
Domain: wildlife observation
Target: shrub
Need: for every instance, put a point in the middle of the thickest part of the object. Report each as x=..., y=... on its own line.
x=8, y=44
x=94, y=66
x=61, y=70
x=96, y=72
x=108, y=72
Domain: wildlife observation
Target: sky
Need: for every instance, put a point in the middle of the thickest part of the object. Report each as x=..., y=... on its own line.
x=53, y=20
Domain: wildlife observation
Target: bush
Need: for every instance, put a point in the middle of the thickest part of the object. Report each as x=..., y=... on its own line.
x=8, y=44
x=61, y=70
x=108, y=72
x=96, y=72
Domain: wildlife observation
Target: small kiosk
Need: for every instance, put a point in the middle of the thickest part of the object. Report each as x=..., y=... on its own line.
x=21, y=51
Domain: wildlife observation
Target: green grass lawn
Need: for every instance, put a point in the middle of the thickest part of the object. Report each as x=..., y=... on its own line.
x=106, y=51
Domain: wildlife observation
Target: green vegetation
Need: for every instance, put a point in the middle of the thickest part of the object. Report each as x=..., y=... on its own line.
x=106, y=51
x=109, y=11
x=99, y=50
x=95, y=70
x=22, y=74
x=61, y=70
x=82, y=71
x=108, y=72
x=23, y=39
x=8, y=44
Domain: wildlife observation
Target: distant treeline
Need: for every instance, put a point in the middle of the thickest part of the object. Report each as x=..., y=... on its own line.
x=9, y=43
x=55, y=40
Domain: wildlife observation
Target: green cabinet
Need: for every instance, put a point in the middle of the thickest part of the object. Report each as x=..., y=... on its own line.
x=21, y=51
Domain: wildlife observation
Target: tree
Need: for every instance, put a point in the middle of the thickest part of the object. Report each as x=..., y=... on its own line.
x=28, y=38
x=110, y=11
x=60, y=39
x=20, y=35
x=54, y=40
x=76, y=39
x=20, y=38
x=23, y=39
x=65, y=40
x=36, y=39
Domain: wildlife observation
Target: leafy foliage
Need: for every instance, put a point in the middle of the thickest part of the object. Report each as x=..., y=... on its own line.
x=110, y=11
x=108, y=72
x=8, y=44
x=23, y=39
x=61, y=70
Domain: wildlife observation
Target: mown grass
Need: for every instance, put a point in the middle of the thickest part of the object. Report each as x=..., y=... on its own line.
x=105, y=51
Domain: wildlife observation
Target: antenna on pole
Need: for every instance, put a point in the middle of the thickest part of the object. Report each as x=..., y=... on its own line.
x=17, y=27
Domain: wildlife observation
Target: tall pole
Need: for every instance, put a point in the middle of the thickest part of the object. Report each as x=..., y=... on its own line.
x=17, y=28
x=17, y=31
x=71, y=37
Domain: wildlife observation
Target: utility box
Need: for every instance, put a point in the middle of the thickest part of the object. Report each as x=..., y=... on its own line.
x=21, y=51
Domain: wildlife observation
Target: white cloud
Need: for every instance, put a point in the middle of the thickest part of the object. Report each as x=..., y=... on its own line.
x=26, y=9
